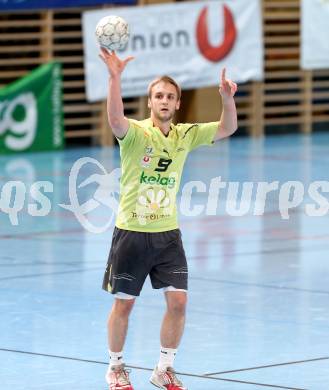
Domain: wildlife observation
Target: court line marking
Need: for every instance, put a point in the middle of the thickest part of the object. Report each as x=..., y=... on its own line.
x=38, y=236
x=27, y=235
x=42, y=263
x=190, y=277
x=267, y=366
x=273, y=251
x=151, y=369
x=258, y=285
x=51, y=273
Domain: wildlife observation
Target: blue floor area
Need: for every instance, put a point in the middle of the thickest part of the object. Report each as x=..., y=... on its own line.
x=258, y=314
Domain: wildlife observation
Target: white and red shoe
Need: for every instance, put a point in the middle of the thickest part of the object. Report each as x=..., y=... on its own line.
x=166, y=380
x=117, y=378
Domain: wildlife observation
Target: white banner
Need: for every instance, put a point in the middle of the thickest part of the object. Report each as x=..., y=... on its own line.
x=189, y=41
x=315, y=34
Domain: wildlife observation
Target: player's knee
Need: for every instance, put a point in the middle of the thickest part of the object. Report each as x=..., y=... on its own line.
x=177, y=305
x=123, y=307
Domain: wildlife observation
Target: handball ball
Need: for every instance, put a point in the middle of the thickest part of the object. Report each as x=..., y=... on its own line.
x=112, y=32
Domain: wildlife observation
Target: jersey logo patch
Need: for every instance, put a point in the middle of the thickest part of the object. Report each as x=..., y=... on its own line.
x=146, y=161
x=154, y=200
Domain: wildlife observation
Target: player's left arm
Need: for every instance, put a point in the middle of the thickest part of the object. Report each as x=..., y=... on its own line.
x=228, y=123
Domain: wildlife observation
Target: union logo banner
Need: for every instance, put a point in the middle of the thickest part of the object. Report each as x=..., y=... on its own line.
x=189, y=41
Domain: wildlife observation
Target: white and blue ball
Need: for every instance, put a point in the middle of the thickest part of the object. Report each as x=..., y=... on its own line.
x=112, y=32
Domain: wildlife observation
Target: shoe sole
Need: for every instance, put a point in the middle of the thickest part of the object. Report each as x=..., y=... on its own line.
x=159, y=387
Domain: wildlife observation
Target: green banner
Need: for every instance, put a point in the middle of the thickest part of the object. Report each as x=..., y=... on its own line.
x=31, y=115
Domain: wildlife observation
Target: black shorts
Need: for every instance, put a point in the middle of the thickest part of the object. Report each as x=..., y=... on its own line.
x=134, y=255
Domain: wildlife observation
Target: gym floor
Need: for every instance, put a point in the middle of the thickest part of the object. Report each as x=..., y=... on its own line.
x=258, y=314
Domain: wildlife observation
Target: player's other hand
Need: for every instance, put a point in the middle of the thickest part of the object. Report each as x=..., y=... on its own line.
x=114, y=64
x=227, y=87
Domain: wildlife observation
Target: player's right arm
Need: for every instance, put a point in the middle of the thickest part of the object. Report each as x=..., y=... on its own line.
x=115, y=112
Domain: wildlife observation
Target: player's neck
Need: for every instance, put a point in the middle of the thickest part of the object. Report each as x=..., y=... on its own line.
x=163, y=126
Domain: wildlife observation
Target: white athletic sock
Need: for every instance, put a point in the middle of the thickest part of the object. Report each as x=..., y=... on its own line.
x=115, y=358
x=167, y=357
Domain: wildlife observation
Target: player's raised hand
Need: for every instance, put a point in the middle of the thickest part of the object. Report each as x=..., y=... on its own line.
x=227, y=87
x=114, y=64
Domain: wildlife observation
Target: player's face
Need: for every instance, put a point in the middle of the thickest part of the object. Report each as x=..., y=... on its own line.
x=164, y=101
